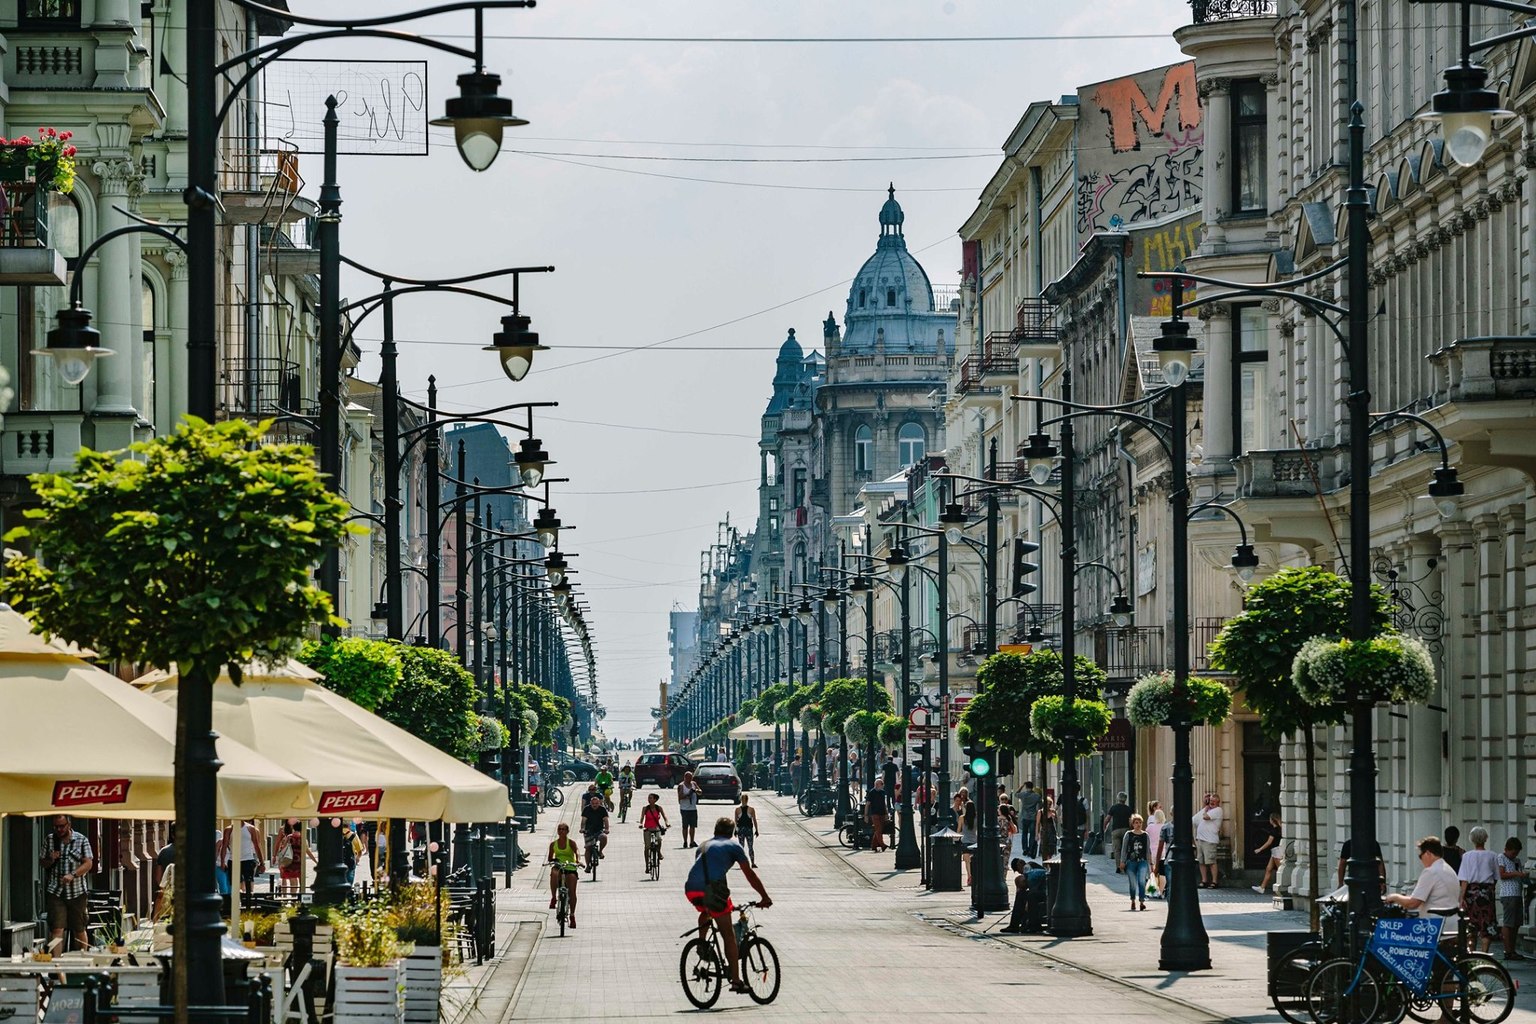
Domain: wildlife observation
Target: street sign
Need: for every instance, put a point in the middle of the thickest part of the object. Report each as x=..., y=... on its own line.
x=1406, y=947
x=925, y=732
x=919, y=717
x=1117, y=739
x=957, y=704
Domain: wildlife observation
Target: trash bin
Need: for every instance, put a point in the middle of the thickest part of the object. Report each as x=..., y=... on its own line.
x=784, y=783
x=944, y=849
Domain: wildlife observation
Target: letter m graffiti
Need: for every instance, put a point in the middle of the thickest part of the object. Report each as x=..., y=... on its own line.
x=1123, y=101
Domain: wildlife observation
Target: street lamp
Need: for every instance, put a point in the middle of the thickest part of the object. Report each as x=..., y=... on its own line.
x=477, y=115
x=531, y=460
x=1120, y=611
x=547, y=525
x=74, y=345
x=515, y=344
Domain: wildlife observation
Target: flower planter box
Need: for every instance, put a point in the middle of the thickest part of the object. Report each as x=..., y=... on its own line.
x=423, y=984
x=369, y=995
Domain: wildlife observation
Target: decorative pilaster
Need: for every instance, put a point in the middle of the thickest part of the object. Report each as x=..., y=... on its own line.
x=120, y=377
x=1217, y=101
x=1219, y=442
x=173, y=381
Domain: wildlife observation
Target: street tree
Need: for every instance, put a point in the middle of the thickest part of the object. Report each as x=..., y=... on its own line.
x=435, y=701
x=195, y=548
x=1259, y=647
x=1007, y=687
x=364, y=671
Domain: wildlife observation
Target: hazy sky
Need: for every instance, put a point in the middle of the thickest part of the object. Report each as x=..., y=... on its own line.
x=678, y=275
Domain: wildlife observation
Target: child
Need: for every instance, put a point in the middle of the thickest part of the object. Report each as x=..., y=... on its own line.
x=1511, y=907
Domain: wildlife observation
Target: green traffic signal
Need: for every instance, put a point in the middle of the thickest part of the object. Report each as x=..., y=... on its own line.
x=981, y=766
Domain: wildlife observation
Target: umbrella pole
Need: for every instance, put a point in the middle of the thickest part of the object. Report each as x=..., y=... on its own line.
x=437, y=896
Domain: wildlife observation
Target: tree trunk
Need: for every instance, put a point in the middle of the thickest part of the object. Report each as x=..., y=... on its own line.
x=1318, y=863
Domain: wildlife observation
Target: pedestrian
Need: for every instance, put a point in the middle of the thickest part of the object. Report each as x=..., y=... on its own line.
x=876, y=808
x=290, y=855
x=746, y=828
x=1116, y=822
x=1478, y=874
x=1027, y=800
x=1273, y=842
x=1208, y=839
x=1082, y=822
x=1164, y=844
x=1155, y=819
x=67, y=861
x=251, y=844
x=688, y=809
x=1008, y=827
x=967, y=836
x=1347, y=850
x=794, y=774
x=1511, y=906
x=957, y=804
x=351, y=850
x=1452, y=848
x=1134, y=853
x=1045, y=828
x=1437, y=889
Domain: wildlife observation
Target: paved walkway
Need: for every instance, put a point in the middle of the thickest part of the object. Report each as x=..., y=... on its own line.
x=846, y=947
x=1123, y=951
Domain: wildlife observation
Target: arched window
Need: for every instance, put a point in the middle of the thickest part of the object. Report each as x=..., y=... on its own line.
x=911, y=443
x=863, y=294
x=863, y=450
x=890, y=296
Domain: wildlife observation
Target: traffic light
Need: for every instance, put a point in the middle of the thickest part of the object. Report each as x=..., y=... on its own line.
x=980, y=761
x=1022, y=566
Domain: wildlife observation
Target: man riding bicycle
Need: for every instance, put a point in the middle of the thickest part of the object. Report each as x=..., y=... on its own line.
x=626, y=786
x=604, y=783
x=653, y=820
x=594, y=824
x=565, y=855
x=707, y=890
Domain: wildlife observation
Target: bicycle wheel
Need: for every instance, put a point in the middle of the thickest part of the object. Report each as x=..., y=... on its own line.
x=562, y=907
x=845, y=836
x=1288, y=987
x=556, y=798
x=1394, y=998
x=567, y=777
x=760, y=969
x=701, y=973
x=1332, y=1000
x=1487, y=988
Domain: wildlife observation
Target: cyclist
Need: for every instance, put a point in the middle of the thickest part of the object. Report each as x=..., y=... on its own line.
x=565, y=855
x=653, y=818
x=604, y=783
x=707, y=890
x=594, y=823
x=626, y=788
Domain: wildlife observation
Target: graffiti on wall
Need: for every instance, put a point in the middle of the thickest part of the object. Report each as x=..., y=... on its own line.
x=1139, y=159
x=1161, y=247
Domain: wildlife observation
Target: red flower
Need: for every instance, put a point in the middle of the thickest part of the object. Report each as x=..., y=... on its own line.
x=69, y=150
x=23, y=141
x=66, y=135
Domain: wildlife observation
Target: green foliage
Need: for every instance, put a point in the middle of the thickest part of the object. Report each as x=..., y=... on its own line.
x=893, y=730
x=798, y=698
x=196, y=550
x=1259, y=646
x=863, y=726
x=364, y=671
x=743, y=760
x=842, y=697
x=491, y=734
x=1009, y=685
x=1153, y=701
x=365, y=935
x=435, y=701
x=1050, y=722
x=810, y=717
x=552, y=710
x=1392, y=668
x=748, y=709
x=769, y=700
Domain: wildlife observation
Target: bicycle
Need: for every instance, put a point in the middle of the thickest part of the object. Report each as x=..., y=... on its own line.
x=562, y=903
x=704, y=971
x=817, y=799
x=1346, y=991
x=653, y=853
x=625, y=796
x=594, y=853
x=551, y=796
x=1288, y=981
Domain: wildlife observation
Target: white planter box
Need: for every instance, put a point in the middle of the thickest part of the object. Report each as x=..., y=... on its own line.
x=423, y=984
x=370, y=995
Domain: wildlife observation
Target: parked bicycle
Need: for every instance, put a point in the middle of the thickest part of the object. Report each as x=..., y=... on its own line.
x=550, y=796
x=653, y=853
x=705, y=972
x=816, y=799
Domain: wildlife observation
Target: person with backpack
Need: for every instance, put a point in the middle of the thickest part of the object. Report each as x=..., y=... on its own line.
x=709, y=891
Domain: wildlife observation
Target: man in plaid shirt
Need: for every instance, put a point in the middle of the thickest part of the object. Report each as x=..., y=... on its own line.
x=67, y=861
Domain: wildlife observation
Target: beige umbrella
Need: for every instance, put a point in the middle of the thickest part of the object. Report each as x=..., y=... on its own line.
x=357, y=764
x=752, y=729
x=81, y=740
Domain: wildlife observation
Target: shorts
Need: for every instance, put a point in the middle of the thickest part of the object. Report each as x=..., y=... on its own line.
x=690, y=818
x=1277, y=853
x=697, y=899
x=569, y=869
x=1511, y=912
x=1205, y=853
x=70, y=912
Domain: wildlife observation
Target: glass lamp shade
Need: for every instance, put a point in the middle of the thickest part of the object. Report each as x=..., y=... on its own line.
x=1466, y=110
x=531, y=461
x=1121, y=612
x=1245, y=562
x=830, y=598
x=1444, y=489
x=74, y=346
x=515, y=345
x=1175, y=348
x=803, y=613
x=477, y=116
x=896, y=565
x=547, y=525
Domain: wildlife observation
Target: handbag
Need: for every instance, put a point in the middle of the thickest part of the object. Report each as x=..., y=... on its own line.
x=717, y=894
x=285, y=853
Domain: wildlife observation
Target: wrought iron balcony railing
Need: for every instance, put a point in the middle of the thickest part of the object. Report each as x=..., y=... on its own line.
x=1207, y=11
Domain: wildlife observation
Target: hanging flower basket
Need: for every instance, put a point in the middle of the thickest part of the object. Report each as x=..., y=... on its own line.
x=1393, y=669
x=810, y=717
x=47, y=161
x=1050, y=720
x=491, y=734
x=893, y=730
x=862, y=727
x=1154, y=702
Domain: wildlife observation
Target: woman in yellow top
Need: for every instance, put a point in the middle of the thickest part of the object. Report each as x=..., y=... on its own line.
x=565, y=855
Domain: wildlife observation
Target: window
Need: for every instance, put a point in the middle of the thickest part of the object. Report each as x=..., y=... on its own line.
x=797, y=488
x=49, y=13
x=1250, y=128
x=890, y=296
x=863, y=450
x=863, y=297
x=147, y=319
x=773, y=503
x=1250, y=371
x=911, y=443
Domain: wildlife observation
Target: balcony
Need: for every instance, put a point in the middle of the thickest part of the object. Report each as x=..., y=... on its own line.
x=25, y=254
x=970, y=375
x=1128, y=653
x=1034, y=330
x=33, y=441
x=1485, y=369
x=262, y=187
x=1205, y=630
x=1207, y=11
x=266, y=389
x=997, y=358
x=1290, y=472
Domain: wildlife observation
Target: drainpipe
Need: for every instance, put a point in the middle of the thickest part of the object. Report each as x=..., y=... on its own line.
x=1130, y=561
x=252, y=231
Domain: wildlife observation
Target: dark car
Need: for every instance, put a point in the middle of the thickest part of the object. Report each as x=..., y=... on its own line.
x=661, y=768
x=717, y=782
x=579, y=771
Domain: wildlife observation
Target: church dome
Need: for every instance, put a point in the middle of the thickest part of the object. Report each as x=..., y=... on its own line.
x=891, y=283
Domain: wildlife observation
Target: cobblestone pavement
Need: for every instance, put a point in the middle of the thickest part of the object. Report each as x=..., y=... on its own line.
x=850, y=941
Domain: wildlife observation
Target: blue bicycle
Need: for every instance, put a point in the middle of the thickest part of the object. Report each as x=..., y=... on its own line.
x=1472, y=988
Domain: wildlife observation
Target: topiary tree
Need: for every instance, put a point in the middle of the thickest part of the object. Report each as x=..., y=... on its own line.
x=194, y=548
x=1008, y=685
x=842, y=697
x=364, y=671
x=893, y=731
x=435, y=701
x=1259, y=647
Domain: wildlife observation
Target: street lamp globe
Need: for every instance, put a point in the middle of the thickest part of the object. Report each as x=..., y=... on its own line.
x=554, y=568
x=515, y=345
x=73, y=346
x=531, y=460
x=803, y=613
x=1121, y=612
x=1175, y=350
x=953, y=517
x=830, y=598
x=1466, y=110
x=1244, y=562
x=547, y=525
x=784, y=616
x=858, y=586
x=896, y=564
x=1444, y=489
x=477, y=116
x=1038, y=457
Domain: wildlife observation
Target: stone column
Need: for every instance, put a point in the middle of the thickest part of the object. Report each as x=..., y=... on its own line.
x=117, y=312
x=172, y=385
x=1218, y=442
x=1217, y=198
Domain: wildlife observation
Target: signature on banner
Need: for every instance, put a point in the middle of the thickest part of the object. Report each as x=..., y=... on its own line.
x=382, y=106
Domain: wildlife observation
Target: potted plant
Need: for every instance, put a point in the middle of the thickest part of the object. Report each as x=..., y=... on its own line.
x=417, y=922
x=1388, y=668
x=369, y=976
x=47, y=161
x=1050, y=720
x=1154, y=702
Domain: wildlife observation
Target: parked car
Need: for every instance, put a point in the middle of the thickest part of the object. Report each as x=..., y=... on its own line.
x=718, y=781
x=581, y=771
x=661, y=768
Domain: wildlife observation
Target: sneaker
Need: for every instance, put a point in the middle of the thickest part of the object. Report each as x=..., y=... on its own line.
x=1257, y=889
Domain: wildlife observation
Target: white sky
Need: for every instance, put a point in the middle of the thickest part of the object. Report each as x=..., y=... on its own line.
x=644, y=259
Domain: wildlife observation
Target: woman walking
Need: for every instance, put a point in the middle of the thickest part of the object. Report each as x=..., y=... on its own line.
x=1478, y=874
x=746, y=828
x=1274, y=843
x=1135, y=847
x=1155, y=820
x=967, y=836
x=1045, y=828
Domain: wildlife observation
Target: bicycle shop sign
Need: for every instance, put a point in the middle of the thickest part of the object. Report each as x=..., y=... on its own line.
x=1406, y=947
